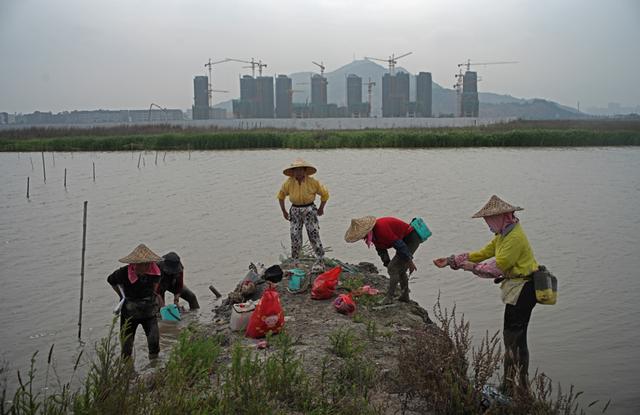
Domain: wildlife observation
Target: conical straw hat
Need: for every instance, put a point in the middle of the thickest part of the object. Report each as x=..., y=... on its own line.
x=359, y=228
x=140, y=255
x=309, y=169
x=495, y=206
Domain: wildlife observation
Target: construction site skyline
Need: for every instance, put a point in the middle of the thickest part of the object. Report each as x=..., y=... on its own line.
x=257, y=94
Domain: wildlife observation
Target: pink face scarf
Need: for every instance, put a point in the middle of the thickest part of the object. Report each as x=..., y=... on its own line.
x=151, y=270
x=498, y=223
x=369, y=239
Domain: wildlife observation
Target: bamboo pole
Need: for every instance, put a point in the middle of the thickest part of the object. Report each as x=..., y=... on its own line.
x=94, y=171
x=44, y=169
x=27, y=187
x=84, y=244
x=53, y=155
x=139, y=158
x=164, y=157
x=189, y=147
x=65, y=178
x=156, y=157
x=31, y=160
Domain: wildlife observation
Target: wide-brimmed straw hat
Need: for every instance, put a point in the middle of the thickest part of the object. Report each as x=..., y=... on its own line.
x=309, y=169
x=140, y=255
x=171, y=263
x=495, y=206
x=359, y=228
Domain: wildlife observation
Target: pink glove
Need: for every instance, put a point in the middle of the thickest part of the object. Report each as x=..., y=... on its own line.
x=456, y=261
x=487, y=269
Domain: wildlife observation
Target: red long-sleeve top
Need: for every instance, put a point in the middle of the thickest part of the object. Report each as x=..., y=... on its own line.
x=388, y=230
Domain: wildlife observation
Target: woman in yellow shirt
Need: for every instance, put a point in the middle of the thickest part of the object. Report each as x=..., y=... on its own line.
x=302, y=190
x=512, y=264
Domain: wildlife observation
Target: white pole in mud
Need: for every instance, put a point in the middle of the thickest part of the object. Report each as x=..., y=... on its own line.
x=84, y=244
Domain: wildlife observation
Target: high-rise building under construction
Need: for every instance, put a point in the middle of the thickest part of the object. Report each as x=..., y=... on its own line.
x=423, y=94
x=395, y=95
x=470, y=103
x=256, y=98
x=355, y=106
x=318, y=90
x=200, y=107
x=264, y=89
x=284, y=92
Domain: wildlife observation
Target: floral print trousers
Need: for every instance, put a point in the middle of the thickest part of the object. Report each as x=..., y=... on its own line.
x=307, y=216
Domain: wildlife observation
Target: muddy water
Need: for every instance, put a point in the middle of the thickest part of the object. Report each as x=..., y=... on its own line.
x=218, y=211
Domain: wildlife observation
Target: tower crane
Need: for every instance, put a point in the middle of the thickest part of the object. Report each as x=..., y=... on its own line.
x=468, y=63
x=321, y=66
x=392, y=61
x=209, y=87
x=458, y=86
x=254, y=63
x=370, y=86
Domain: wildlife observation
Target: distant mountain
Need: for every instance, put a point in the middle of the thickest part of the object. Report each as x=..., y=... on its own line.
x=444, y=100
x=534, y=109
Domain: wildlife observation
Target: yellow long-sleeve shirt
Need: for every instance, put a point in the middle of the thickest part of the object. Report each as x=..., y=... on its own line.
x=515, y=259
x=303, y=193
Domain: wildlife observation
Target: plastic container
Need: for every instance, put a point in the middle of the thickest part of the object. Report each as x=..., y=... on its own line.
x=170, y=312
x=240, y=315
x=295, y=280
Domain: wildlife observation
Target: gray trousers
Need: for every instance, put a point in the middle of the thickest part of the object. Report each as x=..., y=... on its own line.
x=398, y=267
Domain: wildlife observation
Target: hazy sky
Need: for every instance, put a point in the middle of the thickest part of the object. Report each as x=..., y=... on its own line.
x=58, y=55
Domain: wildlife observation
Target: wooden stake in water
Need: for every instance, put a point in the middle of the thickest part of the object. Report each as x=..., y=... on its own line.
x=164, y=157
x=65, y=178
x=27, y=187
x=53, y=155
x=156, y=157
x=94, y=171
x=31, y=160
x=44, y=169
x=84, y=244
x=189, y=147
x=139, y=158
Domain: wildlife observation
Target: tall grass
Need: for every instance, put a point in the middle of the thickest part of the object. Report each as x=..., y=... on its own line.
x=438, y=372
x=271, y=139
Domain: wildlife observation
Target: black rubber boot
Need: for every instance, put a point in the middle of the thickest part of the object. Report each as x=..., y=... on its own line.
x=404, y=286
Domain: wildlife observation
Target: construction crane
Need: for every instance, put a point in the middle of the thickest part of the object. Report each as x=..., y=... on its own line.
x=164, y=110
x=209, y=87
x=254, y=63
x=392, y=61
x=469, y=64
x=370, y=86
x=320, y=65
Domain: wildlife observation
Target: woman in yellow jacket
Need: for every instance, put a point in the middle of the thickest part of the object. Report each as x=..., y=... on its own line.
x=302, y=190
x=511, y=262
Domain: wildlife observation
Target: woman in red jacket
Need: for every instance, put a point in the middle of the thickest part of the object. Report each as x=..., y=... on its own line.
x=385, y=233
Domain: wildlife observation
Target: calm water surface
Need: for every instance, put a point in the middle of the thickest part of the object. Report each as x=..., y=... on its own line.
x=218, y=211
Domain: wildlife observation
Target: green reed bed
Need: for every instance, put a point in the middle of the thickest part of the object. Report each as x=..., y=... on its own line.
x=273, y=139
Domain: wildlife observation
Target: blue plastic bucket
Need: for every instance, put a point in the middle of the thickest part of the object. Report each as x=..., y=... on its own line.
x=295, y=280
x=170, y=313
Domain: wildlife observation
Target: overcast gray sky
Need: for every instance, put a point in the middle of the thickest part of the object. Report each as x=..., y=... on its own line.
x=58, y=55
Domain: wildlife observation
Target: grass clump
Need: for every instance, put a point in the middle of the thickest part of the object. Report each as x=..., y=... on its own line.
x=344, y=343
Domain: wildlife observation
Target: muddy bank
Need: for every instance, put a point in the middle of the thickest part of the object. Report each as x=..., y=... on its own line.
x=376, y=330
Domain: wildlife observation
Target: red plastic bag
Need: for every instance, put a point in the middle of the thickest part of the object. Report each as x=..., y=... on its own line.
x=344, y=304
x=325, y=285
x=267, y=317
